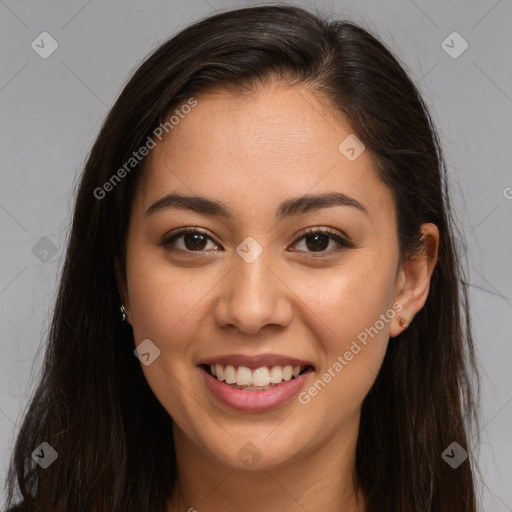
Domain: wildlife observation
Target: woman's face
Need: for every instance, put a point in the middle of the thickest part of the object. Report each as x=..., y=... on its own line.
x=248, y=289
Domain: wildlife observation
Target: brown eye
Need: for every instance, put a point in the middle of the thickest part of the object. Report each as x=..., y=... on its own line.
x=194, y=241
x=315, y=242
x=188, y=240
x=318, y=240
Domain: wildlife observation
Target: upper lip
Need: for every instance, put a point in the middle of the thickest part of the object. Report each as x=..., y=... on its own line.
x=255, y=361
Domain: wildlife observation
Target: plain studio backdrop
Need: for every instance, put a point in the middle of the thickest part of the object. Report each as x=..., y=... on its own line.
x=55, y=94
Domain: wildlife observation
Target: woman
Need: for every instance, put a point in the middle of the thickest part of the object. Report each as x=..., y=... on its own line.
x=267, y=203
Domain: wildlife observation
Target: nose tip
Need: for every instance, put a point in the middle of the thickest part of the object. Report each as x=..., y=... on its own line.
x=249, y=317
x=252, y=298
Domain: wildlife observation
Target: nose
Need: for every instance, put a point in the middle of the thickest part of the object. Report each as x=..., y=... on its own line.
x=252, y=296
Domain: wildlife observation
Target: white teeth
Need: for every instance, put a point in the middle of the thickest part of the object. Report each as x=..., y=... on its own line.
x=287, y=372
x=243, y=376
x=261, y=377
x=258, y=379
x=276, y=374
x=230, y=374
x=219, y=371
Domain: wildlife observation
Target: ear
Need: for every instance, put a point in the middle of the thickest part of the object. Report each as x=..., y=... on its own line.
x=413, y=280
x=123, y=290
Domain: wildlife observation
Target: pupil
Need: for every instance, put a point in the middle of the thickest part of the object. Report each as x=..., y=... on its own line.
x=197, y=240
x=318, y=246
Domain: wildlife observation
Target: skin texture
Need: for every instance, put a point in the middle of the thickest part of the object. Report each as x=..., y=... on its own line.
x=251, y=153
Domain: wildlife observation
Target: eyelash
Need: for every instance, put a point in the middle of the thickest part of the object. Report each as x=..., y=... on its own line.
x=343, y=242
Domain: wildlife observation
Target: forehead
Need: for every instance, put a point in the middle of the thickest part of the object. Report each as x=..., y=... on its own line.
x=258, y=149
x=277, y=122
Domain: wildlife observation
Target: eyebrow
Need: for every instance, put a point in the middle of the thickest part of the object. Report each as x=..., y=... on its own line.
x=288, y=208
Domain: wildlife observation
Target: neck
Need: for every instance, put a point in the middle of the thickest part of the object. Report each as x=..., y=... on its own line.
x=318, y=479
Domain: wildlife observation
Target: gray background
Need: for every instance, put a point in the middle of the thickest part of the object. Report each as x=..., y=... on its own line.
x=52, y=109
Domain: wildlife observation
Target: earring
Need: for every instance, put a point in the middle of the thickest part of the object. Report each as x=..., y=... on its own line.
x=123, y=312
x=122, y=308
x=403, y=323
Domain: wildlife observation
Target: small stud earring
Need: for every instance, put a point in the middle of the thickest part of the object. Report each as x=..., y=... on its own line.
x=123, y=311
x=403, y=323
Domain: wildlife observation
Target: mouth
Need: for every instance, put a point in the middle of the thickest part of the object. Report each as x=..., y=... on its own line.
x=255, y=384
x=263, y=378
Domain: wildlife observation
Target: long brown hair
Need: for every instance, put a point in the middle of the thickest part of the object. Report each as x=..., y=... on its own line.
x=93, y=404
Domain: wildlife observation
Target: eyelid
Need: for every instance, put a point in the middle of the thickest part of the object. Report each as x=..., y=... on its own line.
x=335, y=233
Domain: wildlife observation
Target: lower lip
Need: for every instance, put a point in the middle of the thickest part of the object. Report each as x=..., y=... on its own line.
x=255, y=401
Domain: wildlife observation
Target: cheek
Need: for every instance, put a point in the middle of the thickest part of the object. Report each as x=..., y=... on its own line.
x=347, y=302
x=352, y=312
x=163, y=299
x=167, y=307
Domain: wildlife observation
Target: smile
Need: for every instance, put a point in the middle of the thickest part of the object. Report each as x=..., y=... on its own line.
x=257, y=379
x=254, y=384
